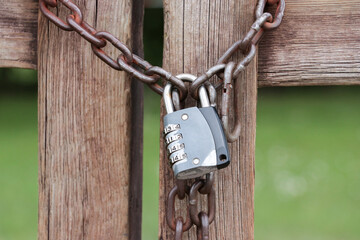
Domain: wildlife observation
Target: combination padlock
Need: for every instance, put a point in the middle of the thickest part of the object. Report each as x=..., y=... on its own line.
x=194, y=137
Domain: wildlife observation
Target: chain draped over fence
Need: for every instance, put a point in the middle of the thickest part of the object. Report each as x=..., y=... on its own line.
x=227, y=71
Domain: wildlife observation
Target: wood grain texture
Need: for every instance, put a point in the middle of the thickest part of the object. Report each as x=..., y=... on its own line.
x=18, y=30
x=197, y=32
x=85, y=122
x=318, y=43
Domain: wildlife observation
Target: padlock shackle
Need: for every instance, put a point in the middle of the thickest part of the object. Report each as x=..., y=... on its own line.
x=169, y=106
x=203, y=95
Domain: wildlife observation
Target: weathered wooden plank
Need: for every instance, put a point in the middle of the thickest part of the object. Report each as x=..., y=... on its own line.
x=197, y=32
x=18, y=30
x=318, y=43
x=85, y=131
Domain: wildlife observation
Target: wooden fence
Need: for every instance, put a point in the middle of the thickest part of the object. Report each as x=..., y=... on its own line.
x=90, y=117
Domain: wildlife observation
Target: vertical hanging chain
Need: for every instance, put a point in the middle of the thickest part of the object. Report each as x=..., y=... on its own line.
x=200, y=219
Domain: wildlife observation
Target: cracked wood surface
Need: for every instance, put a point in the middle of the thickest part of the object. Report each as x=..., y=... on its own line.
x=318, y=42
x=193, y=42
x=85, y=131
x=18, y=30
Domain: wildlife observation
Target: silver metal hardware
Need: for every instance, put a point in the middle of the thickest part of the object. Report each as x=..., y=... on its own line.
x=196, y=161
x=185, y=117
x=195, y=141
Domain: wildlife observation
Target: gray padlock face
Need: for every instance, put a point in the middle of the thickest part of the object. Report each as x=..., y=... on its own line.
x=194, y=137
x=195, y=142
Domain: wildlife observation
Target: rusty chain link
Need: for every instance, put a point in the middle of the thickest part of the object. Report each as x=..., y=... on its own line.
x=200, y=219
x=231, y=135
x=226, y=70
x=126, y=61
x=129, y=62
x=247, y=45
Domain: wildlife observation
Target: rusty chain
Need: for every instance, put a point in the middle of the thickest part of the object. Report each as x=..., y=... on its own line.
x=152, y=75
x=247, y=45
x=200, y=219
x=126, y=61
x=226, y=70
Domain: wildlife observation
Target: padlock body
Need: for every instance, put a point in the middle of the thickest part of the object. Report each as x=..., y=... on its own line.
x=195, y=142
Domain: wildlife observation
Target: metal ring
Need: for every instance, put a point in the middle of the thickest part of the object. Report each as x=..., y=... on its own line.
x=193, y=203
x=52, y=17
x=170, y=213
x=124, y=65
x=175, y=96
x=178, y=83
x=84, y=32
x=203, y=230
x=233, y=134
x=77, y=14
x=253, y=32
x=204, y=98
x=179, y=228
x=211, y=92
x=279, y=14
x=245, y=61
x=199, y=81
x=145, y=65
x=117, y=44
x=167, y=95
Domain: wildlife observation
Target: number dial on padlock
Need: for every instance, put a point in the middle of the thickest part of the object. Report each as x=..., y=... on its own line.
x=198, y=145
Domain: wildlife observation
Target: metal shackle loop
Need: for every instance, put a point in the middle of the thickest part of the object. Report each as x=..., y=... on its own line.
x=167, y=94
x=231, y=134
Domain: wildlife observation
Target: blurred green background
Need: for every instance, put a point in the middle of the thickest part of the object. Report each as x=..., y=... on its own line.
x=307, y=157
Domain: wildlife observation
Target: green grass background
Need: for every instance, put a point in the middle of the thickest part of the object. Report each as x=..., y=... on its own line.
x=307, y=157
x=18, y=167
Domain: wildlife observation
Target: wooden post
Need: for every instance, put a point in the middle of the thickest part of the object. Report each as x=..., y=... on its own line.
x=197, y=33
x=86, y=124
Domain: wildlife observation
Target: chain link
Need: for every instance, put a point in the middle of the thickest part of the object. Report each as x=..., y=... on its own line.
x=126, y=61
x=226, y=70
x=231, y=135
x=194, y=213
x=151, y=75
x=247, y=45
x=200, y=219
x=170, y=213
